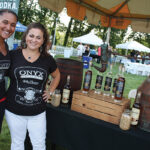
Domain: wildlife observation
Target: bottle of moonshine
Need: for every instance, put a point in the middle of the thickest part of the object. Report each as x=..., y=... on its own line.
x=114, y=86
x=135, y=112
x=66, y=92
x=120, y=87
x=98, y=84
x=115, y=82
x=108, y=82
x=87, y=79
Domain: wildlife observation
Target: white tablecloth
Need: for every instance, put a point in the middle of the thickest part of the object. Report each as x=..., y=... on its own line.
x=137, y=68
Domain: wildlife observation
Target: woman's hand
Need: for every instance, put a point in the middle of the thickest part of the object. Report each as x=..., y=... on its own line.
x=47, y=96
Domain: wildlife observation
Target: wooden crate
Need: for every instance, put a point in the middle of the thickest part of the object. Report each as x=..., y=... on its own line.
x=99, y=106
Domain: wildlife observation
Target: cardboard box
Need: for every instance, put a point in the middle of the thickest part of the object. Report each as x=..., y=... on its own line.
x=99, y=106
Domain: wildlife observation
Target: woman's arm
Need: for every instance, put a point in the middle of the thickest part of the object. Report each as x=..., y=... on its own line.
x=54, y=83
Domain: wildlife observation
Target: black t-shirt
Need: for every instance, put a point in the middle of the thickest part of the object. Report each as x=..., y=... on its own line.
x=4, y=66
x=24, y=96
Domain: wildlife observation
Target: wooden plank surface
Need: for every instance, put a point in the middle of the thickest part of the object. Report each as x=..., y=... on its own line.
x=99, y=106
x=109, y=99
x=95, y=114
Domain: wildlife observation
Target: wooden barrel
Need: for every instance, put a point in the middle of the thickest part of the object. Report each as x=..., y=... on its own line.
x=73, y=68
x=144, y=121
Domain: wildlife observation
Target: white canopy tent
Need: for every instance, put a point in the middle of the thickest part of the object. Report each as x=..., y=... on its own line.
x=133, y=45
x=90, y=39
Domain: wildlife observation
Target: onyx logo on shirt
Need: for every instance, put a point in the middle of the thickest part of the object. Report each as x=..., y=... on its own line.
x=30, y=84
x=4, y=65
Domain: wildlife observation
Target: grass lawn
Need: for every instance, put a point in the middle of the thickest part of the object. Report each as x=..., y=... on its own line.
x=132, y=82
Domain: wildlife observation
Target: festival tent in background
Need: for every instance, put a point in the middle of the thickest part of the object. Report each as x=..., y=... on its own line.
x=133, y=45
x=111, y=13
x=90, y=39
x=20, y=27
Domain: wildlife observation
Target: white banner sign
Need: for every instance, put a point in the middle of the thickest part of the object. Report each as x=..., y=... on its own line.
x=10, y=4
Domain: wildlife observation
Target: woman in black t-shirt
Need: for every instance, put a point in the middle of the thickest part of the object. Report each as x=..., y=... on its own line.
x=26, y=96
x=8, y=20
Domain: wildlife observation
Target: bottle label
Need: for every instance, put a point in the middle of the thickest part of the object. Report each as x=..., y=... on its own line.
x=87, y=81
x=99, y=81
x=119, y=89
x=135, y=116
x=108, y=82
x=114, y=86
x=65, y=97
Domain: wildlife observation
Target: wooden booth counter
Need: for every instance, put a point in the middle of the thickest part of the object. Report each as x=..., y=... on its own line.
x=99, y=106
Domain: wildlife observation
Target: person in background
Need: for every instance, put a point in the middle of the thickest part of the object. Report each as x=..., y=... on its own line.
x=26, y=96
x=111, y=57
x=87, y=51
x=143, y=58
x=147, y=59
x=138, y=58
x=114, y=55
x=81, y=50
x=99, y=54
x=8, y=21
x=132, y=55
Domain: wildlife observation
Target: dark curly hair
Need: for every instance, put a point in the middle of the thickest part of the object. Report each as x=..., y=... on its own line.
x=37, y=25
x=2, y=11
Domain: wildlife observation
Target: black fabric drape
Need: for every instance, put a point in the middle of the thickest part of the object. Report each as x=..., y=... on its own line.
x=76, y=131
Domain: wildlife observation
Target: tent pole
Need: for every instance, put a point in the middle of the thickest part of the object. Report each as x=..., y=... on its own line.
x=108, y=35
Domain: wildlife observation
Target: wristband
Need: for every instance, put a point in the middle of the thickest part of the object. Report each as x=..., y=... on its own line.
x=51, y=93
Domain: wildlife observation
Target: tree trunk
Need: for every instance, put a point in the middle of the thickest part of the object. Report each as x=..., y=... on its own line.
x=53, y=31
x=67, y=33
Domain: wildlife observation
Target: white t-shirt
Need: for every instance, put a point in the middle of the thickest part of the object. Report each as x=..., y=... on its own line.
x=81, y=49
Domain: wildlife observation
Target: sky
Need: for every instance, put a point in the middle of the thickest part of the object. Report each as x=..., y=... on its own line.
x=64, y=18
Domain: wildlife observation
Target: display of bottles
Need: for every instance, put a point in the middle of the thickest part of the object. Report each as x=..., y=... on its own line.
x=66, y=92
x=120, y=87
x=87, y=80
x=98, y=84
x=135, y=113
x=108, y=83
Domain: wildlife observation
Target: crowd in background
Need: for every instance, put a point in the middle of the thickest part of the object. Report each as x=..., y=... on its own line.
x=140, y=57
x=95, y=53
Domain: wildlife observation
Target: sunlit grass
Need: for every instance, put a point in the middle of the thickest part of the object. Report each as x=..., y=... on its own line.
x=5, y=137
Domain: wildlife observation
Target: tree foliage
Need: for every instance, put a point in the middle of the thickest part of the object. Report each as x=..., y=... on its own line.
x=30, y=11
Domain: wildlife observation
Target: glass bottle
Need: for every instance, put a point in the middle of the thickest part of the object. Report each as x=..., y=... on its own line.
x=125, y=121
x=108, y=83
x=98, y=84
x=120, y=87
x=66, y=92
x=135, y=112
x=114, y=87
x=56, y=98
x=87, y=79
x=115, y=82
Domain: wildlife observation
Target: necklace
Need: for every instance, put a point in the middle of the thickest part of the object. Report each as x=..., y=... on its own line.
x=29, y=57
